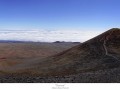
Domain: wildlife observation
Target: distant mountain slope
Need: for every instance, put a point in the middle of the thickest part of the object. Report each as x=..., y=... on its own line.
x=15, y=54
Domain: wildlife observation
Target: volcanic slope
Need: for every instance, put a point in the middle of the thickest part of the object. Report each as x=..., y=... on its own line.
x=99, y=53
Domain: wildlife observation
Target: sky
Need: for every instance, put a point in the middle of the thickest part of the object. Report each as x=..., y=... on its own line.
x=44, y=15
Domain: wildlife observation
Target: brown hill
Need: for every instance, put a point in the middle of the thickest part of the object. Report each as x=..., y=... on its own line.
x=101, y=52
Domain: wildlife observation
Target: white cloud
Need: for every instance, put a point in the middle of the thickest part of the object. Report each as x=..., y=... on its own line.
x=48, y=35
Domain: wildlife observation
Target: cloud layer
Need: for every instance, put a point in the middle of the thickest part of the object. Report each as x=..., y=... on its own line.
x=48, y=35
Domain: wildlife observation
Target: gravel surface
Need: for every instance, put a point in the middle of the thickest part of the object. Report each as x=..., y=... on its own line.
x=101, y=76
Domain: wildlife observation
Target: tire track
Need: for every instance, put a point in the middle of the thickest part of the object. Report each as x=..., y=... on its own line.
x=105, y=47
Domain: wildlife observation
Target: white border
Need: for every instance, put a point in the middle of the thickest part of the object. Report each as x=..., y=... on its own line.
x=60, y=86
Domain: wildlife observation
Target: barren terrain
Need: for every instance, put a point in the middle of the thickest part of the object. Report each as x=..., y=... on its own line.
x=96, y=60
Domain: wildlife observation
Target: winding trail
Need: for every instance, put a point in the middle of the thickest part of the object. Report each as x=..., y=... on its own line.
x=105, y=47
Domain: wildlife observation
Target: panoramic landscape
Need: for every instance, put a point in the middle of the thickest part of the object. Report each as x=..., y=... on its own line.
x=59, y=41
x=96, y=60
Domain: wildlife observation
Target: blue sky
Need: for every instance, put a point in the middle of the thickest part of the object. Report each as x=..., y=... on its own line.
x=59, y=14
x=63, y=20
